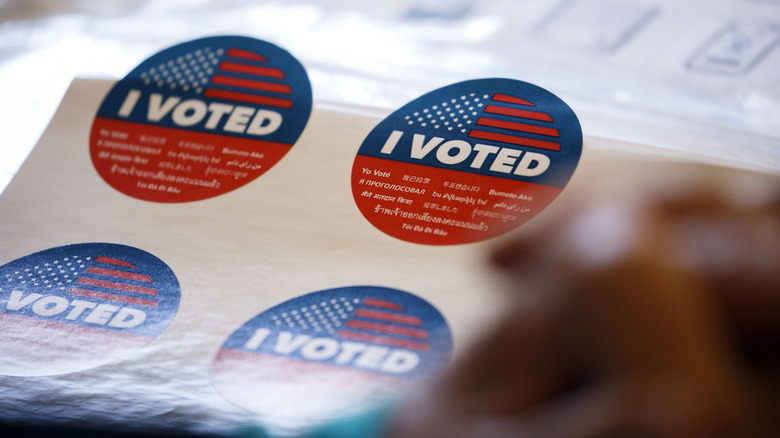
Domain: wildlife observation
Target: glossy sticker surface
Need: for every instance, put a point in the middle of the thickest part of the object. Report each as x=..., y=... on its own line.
x=200, y=119
x=466, y=162
x=75, y=307
x=332, y=353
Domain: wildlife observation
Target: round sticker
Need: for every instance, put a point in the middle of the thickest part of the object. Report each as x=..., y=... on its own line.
x=200, y=119
x=466, y=162
x=80, y=306
x=332, y=353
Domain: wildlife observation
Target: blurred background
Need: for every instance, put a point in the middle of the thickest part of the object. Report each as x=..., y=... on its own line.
x=701, y=76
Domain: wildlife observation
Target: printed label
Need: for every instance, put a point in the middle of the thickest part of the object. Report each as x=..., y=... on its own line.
x=466, y=162
x=596, y=25
x=200, y=119
x=79, y=306
x=332, y=353
x=737, y=48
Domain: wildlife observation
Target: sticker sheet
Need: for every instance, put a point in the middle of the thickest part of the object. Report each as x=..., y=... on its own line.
x=206, y=309
x=198, y=245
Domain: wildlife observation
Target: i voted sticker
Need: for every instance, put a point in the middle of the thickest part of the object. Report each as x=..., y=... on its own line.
x=467, y=162
x=332, y=353
x=76, y=307
x=200, y=119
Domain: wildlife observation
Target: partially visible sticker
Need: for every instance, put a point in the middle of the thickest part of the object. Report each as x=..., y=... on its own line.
x=200, y=119
x=332, y=353
x=76, y=307
x=466, y=162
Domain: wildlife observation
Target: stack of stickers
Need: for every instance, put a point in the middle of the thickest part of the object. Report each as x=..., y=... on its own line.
x=211, y=242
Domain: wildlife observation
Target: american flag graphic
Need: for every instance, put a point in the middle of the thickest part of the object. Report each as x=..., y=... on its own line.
x=231, y=74
x=115, y=280
x=499, y=118
x=369, y=320
x=100, y=277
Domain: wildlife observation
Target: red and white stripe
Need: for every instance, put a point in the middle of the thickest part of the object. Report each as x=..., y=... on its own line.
x=385, y=323
x=253, y=85
x=113, y=280
x=512, y=128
